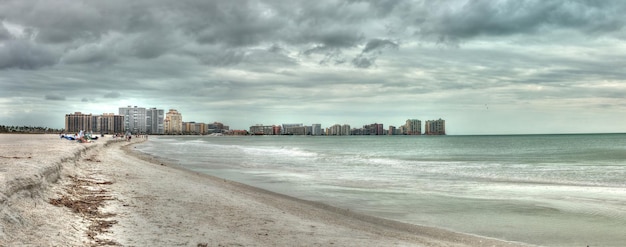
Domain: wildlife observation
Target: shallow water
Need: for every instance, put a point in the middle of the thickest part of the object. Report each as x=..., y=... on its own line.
x=556, y=190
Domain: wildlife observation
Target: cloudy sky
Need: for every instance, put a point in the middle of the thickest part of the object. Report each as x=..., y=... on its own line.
x=486, y=67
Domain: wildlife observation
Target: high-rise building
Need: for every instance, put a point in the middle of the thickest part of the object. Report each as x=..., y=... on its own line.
x=173, y=122
x=139, y=120
x=339, y=130
x=154, y=121
x=373, y=129
x=276, y=129
x=298, y=130
x=359, y=131
x=134, y=119
x=345, y=130
x=413, y=127
x=287, y=126
x=216, y=127
x=435, y=127
x=401, y=130
x=193, y=128
x=260, y=129
x=316, y=129
x=79, y=121
x=105, y=123
x=334, y=130
x=110, y=123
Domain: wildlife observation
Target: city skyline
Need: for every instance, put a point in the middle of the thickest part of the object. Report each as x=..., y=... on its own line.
x=487, y=67
x=152, y=120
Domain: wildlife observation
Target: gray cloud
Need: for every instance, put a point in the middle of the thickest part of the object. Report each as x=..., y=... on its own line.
x=223, y=58
x=112, y=95
x=90, y=53
x=153, y=44
x=314, y=59
x=68, y=22
x=54, y=97
x=25, y=54
x=461, y=20
x=276, y=49
x=4, y=33
x=329, y=55
x=376, y=44
x=314, y=25
x=370, y=53
x=363, y=62
x=339, y=38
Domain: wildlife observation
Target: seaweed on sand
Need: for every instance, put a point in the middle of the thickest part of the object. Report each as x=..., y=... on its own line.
x=85, y=197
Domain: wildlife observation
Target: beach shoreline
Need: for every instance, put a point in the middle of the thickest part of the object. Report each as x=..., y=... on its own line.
x=147, y=201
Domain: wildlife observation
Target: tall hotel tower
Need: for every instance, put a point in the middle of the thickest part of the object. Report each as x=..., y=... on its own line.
x=413, y=127
x=435, y=127
x=173, y=122
x=110, y=123
x=107, y=123
x=79, y=121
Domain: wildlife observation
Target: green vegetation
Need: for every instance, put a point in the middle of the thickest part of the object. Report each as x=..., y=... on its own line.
x=28, y=130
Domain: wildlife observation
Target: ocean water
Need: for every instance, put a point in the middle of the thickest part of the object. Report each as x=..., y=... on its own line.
x=552, y=190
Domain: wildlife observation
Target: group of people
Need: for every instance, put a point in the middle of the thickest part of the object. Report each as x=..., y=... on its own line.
x=129, y=136
x=81, y=137
x=138, y=136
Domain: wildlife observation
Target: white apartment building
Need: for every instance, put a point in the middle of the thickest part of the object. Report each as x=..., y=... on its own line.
x=139, y=120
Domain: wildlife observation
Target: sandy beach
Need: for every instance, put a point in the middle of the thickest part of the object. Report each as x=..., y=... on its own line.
x=55, y=192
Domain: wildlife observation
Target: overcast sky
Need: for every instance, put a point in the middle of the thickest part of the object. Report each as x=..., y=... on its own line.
x=486, y=67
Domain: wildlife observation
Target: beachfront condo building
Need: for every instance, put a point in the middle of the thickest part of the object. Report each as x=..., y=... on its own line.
x=134, y=119
x=173, y=122
x=139, y=120
x=103, y=124
x=435, y=127
x=339, y=130
x=288, y=126
x=75, y=122
x=334, y=130
x=217, y=127
x=298, y=130
x=373, y=129
x=316, y=129
x=193, y=128
x=413, y=127
x=154, y=121
x=276, y=129
x=345, y=130
x=109, y=123
x=260, y=129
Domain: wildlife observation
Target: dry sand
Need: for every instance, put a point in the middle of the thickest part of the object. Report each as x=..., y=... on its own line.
x=55, y=192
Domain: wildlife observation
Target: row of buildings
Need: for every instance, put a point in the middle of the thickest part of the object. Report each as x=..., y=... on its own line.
x=410, y=127
x=105, y=123
x=414, y=127
x=138, y=120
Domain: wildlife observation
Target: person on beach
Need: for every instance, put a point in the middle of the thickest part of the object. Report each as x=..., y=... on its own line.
x=80, y=137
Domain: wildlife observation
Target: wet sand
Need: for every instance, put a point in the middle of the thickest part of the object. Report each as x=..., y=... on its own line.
x=56, y=192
